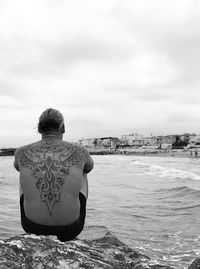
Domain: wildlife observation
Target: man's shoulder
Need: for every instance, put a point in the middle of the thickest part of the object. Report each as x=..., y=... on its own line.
x=78, y=148
x=22, y=155
x=61, y=147
x=74, y=145
x=27, y=146
x=62, y=144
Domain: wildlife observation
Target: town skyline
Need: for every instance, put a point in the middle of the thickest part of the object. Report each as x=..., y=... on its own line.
x=170, y=138
x=184, y=141
x=37, y=137
x=140, y=134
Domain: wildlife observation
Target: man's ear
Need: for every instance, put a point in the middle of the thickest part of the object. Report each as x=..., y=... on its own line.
x=39, y=129
x=62, y=128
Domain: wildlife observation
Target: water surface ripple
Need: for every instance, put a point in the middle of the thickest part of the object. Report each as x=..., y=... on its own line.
x=150, y=203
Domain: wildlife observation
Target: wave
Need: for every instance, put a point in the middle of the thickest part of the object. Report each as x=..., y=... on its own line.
x=165, y=172
x=140, y=217
x=189, y=194
x=182, y=189
x=186, y=207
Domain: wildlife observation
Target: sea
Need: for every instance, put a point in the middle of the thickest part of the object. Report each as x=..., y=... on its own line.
x=150, y=203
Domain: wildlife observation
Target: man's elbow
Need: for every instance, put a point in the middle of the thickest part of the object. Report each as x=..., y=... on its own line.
x=88, y=167
x=16, y=166
x=87, y=170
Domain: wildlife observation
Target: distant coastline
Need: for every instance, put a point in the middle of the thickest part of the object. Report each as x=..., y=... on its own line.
x=179, y=153
x=7, y=151
x=127, y=151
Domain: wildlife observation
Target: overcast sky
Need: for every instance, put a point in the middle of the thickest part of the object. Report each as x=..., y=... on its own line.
x=111, y=67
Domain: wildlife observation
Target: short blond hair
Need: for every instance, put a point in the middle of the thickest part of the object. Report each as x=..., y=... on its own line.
x=50, y=120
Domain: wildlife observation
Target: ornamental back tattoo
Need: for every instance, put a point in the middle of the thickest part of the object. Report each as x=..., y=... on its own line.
x=49, y=164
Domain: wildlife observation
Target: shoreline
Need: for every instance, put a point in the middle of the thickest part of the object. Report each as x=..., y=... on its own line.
x=145, y=152
x=177, y=153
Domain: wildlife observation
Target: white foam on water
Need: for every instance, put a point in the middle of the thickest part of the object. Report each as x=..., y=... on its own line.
x=165, y=172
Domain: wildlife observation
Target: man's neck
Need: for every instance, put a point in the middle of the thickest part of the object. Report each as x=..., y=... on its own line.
x=52, y=136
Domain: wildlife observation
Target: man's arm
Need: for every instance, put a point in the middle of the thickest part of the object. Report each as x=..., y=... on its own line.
x=16, y=165
x=89, y=164
x=20, y=191
x=84, y=187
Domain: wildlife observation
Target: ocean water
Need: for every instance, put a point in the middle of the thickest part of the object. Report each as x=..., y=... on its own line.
x=150, y=203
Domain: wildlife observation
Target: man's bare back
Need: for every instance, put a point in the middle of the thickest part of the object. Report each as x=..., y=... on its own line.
x=51, y=177
x=53, y=181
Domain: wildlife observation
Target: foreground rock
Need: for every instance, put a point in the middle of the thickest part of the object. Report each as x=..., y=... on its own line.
x=195, y=264
x=38, y=252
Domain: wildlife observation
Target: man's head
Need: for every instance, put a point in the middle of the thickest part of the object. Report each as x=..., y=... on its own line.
x=51, y=120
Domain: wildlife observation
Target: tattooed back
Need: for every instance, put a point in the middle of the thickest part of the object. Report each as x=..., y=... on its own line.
x=51, y=176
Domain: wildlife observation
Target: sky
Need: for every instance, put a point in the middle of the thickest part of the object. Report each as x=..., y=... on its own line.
x=110, y=67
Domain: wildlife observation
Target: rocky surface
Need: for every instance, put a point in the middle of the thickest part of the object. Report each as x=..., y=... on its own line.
x=94, y=252
x=195, y=264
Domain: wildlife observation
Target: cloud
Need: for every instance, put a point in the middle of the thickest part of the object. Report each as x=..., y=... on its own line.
x=170, y=32
x=110, y=66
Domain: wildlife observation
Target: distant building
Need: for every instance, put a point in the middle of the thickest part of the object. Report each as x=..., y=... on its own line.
x=137, y=140
x=108, y=142
x=149, y=141
x=194, y=142
x=168, y=141
x=102, y=142
x=87, y=142
x=192, y=136
x=133, y=139
x=158, y=141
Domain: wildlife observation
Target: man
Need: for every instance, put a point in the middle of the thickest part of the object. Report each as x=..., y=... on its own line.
x=53, y=181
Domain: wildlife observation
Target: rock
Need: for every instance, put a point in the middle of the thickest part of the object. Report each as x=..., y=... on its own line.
x=27, y=251
x=195, y=264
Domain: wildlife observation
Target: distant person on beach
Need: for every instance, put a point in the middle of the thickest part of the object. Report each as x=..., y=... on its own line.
x=196, y=153
x=53, y=181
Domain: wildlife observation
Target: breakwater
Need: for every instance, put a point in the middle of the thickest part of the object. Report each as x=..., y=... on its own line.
x=7, y=151
x=129, y=151
x=144, y=152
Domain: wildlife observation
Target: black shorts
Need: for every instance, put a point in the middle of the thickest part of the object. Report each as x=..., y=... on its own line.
x=63, y=232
